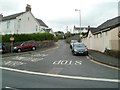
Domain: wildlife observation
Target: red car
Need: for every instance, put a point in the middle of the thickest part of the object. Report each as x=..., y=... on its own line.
x=28, y=45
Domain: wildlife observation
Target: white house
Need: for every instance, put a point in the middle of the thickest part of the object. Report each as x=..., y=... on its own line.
x=77, y=30
x=104, y=36
x=23, y=22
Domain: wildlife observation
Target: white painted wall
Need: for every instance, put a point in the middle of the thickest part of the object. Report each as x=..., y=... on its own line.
x=26, y=23
x=99, y=42
x=8, y=26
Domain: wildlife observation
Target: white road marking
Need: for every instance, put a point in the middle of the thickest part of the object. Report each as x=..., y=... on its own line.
x=67, y=62
x=12, y=63
x=62, y=76
x=39, y=55
x=29, y=59
x=11, y=88
x=102, y=64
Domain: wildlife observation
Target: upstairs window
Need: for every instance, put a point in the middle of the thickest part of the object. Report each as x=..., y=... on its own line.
x=28, y=18
x=36, y=27
x=8, y=24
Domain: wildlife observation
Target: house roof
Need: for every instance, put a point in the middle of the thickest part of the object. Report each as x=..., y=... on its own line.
x=12, y=16
x=78, y=28
x=93, y=30
x=112, y=23
x=41, y=23
x=47, y=30
x=108, y=25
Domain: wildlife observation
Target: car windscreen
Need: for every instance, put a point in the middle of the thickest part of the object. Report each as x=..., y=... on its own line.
x=72, y=41
x=79, y=46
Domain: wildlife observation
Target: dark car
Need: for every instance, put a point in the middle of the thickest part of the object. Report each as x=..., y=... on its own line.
x=72, y=42
x=2, y=48
x=79, y=48
x=28, y=45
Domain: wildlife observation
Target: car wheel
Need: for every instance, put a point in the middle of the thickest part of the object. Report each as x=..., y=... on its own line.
x=86, y=53
x=19, y=50
x=33, y=48
x=73, y=52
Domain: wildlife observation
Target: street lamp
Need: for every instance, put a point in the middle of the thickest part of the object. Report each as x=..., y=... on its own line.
x=80, y=20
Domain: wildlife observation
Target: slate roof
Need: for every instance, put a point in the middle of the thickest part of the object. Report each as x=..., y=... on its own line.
x=78, y=28
x=12, y=16
x=47, y=30
x=41, y=23
x=93, y=30
x=108, y=25
x=112, y=23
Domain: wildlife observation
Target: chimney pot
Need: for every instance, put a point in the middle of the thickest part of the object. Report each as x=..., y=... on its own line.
x=28, y=8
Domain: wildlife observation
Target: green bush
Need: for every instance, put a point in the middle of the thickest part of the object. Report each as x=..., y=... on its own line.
x=25, y=37
x=56, y=39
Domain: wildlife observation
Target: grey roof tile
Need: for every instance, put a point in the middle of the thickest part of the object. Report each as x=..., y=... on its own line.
x=41, y=23
x=12, y=16
x=110, y=23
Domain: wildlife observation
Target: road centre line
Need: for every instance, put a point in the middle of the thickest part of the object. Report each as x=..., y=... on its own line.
x=61, y=76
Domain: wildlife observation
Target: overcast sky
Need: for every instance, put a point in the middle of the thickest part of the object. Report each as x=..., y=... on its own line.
x=58, y=14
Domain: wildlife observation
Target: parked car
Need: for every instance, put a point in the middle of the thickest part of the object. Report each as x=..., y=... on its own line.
x=28, y=45
x=79, y=48
x=2, y=48
x=72, y=42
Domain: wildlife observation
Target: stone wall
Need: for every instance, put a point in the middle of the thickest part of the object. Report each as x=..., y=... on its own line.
x=41, y=44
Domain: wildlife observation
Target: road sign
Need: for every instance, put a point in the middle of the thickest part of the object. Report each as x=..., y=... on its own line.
x=11, y=38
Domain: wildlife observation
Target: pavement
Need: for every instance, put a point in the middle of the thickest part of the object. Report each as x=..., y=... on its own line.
x=104, y=59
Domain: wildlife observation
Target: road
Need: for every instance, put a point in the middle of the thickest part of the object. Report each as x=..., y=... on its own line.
x=56, y=68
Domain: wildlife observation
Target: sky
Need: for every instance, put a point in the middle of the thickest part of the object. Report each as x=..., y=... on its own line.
x=60, y=14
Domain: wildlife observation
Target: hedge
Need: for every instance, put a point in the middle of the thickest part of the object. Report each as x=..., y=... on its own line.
x=25, y=37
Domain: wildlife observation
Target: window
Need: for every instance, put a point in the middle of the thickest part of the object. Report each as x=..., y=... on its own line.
x=28, y=18
x=8, y=24
x=36, y=27
x=19, y=23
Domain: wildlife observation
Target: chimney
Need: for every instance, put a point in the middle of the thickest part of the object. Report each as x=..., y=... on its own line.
x=28, y=8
